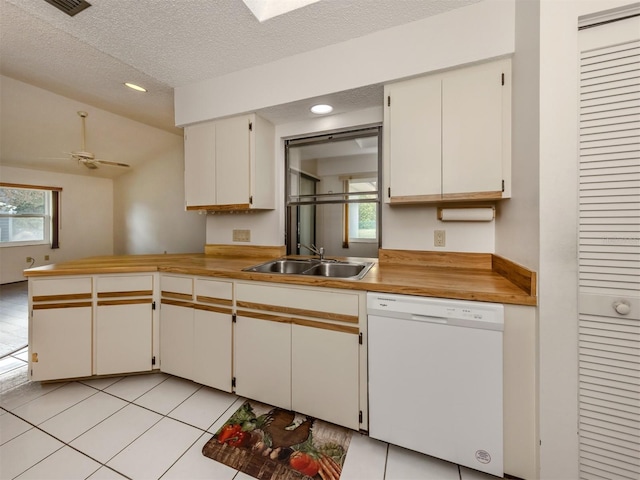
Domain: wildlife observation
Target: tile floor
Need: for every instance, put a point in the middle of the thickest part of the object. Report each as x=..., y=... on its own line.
x=148, y=427
x=141, y=427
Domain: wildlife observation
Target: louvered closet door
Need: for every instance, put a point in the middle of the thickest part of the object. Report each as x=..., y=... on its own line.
x=609, y=263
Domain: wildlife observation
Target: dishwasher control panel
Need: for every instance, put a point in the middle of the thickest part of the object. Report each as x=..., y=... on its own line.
x=437, y=310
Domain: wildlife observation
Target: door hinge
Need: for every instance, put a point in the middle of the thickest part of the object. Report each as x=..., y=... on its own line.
x=153, y=305
x=233, y=317
x=233, y=382
x=360, y=338
x=251, y=126
x=503, y=185
x=360, y=416
x=502, y=79
x=153, y=360
x=388, y=100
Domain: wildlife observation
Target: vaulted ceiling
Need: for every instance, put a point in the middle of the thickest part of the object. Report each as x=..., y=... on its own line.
x=162, y=44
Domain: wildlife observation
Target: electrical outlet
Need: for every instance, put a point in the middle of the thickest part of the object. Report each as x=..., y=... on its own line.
x=29, y=259
x=242, y=235
x=46, y=258
x=439, y=238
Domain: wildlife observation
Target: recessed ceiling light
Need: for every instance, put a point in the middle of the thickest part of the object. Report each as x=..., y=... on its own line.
x=135, y=87
x=321, y=109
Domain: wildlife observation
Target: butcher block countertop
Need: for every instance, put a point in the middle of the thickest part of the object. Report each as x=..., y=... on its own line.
x=462, y=276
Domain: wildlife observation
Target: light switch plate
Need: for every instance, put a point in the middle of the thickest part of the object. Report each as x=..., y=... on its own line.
x=241, y=235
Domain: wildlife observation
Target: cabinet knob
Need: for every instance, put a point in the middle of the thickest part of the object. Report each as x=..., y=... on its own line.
x=622, y=307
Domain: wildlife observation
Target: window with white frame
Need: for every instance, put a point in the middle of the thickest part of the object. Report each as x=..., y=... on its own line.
x=28, y=215
x=361, y=222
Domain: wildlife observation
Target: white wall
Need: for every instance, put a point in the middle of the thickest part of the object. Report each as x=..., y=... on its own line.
x=538, y=226
x=86, y=220
x=464, y=35
x=149, y=215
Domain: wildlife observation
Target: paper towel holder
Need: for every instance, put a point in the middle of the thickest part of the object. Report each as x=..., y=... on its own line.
x=467, y=213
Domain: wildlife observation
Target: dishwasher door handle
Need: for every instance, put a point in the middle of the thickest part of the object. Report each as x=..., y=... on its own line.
x=429, y=319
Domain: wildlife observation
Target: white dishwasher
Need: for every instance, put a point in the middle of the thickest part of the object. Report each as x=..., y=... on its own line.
x=435, y=377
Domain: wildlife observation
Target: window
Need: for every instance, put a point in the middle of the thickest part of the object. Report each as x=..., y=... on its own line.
x=28, y=215
x=332, y=193
x=361, y=219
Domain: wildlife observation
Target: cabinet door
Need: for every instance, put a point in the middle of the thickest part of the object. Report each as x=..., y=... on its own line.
x=199, y=164
x=472, y=130
x=413, y=138
x=232, y=161
x=176, y=340
x=212, y=349
x=262, y=360
x=123, y=337
x=325, y=366
x=60, y=343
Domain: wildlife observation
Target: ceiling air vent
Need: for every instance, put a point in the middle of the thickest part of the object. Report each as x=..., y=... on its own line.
x=70, y=7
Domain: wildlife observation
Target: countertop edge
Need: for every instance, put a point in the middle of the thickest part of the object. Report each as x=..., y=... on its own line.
x=520, y=277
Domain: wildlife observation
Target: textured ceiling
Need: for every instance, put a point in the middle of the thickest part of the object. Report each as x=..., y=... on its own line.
x=165, y=44
x=162, y=44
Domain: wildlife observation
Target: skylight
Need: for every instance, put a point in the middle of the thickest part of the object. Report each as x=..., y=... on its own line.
x=266, y=9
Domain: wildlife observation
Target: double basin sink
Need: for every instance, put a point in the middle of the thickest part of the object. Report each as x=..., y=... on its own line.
x=313, y=267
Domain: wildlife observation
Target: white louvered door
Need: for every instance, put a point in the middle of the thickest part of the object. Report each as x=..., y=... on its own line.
x=609, y=251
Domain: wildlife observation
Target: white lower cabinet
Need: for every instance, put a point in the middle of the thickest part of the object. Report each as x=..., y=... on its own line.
x=123, y=337
x=176, y=340
x=195, y=336
x=301, y=348
x=212, y=348
x=262, y=360
x=60, y=342
x=60, y=327
x=325, y=373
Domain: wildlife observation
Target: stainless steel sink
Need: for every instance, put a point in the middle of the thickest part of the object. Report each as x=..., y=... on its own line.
x=337, y=269
x=312, y=267
x=282, y=265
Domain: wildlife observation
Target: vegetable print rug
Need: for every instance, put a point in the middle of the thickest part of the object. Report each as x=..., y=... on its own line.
x=272, y=443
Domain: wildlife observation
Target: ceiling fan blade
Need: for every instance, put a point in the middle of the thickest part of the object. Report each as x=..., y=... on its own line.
x=113, y=164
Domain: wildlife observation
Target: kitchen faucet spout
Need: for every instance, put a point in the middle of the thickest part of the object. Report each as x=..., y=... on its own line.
x=314, y=249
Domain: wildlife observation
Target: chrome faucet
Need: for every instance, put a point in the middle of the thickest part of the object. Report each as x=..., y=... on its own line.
x=314, y=249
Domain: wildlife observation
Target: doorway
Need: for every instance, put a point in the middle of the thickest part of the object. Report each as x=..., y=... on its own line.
x=609, y=250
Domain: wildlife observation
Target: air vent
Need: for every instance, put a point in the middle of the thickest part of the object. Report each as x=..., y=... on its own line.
x=70, y=7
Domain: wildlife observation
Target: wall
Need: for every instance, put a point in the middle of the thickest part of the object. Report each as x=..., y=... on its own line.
x=443, y=41
x=86, y=223
x=149, y=214
x=461, y=39
x=538, y=226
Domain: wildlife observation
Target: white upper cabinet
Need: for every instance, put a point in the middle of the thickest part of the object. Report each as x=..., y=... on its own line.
x=230, y=164
x=447, y=136
x=412, y=138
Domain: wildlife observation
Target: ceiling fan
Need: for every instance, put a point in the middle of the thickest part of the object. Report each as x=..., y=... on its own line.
x=88, y=159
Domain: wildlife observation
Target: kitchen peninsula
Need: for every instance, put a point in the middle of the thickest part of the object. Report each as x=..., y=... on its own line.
x=203, y=318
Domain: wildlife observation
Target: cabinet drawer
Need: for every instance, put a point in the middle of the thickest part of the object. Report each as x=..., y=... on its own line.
x=127, y=285
x=210, y=290
x=179, y=287
x=60, y=289
x=299, y=301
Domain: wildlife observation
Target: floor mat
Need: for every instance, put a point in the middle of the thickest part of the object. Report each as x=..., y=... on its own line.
x=272, y=443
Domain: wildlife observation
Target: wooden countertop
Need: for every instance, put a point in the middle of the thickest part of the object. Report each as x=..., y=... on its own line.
x=463, y=276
